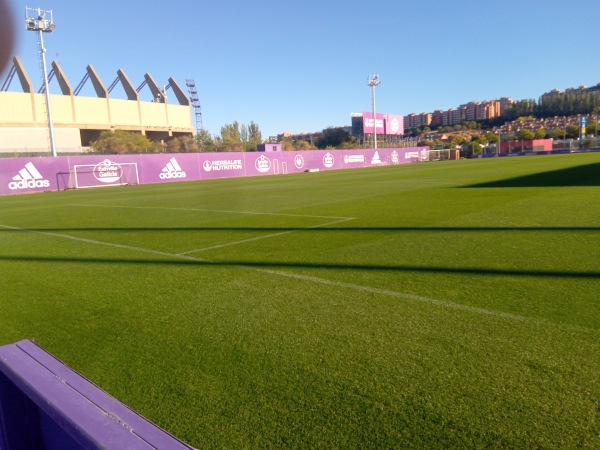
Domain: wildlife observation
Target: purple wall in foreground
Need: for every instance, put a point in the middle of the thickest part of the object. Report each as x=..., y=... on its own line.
x=23, y=175
x=46, y=405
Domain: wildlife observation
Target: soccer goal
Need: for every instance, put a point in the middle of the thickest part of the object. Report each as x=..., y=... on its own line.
x=107, y=173
x=439, y=155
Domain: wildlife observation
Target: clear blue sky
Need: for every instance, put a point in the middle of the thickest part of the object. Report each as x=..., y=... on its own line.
x=303, y=65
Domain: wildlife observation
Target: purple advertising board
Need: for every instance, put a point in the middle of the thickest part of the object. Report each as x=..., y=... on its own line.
x=296, y=162
x=22, y=175
x=354, y=158
x=167, y=168
x=415, y=154
x=261, y=164
x=221, y=165
x=368, y=124
x=330, y=159
x=394, y=124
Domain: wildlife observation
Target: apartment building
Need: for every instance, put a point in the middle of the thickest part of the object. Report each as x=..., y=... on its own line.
x=472, y=111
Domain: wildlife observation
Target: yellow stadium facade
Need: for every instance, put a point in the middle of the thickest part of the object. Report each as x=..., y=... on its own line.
x=79, y=120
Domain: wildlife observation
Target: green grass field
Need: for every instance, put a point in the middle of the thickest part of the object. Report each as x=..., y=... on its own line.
x=449, y=304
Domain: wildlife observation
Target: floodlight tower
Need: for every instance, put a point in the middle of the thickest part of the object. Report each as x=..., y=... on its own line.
x=40, y=20
x=373, y=81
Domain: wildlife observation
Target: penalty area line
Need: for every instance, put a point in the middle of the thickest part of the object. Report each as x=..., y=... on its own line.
x=105, y=244
x=324, y=281
x=255, y=213
x=257, y=238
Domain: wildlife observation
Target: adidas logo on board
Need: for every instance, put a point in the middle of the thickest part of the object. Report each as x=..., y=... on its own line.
x=172, y=170
x=28, y=178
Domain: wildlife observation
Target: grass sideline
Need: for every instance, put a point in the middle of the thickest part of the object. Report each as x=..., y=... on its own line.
x=448, y=304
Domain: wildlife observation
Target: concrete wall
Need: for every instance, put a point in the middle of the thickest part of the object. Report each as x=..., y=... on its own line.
x=90, y=113
x=37, y=140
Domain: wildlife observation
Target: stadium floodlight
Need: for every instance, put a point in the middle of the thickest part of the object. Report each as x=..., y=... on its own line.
x=373, y=81
x=39, y=20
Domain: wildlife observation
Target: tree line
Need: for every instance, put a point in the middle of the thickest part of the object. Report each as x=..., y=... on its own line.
x=234, y=137
x=556, y=104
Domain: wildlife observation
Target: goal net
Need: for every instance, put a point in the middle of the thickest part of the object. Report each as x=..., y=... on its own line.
x=439, y=155
x=106, y=173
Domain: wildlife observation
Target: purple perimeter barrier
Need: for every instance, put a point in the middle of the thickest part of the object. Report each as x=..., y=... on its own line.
x=22, y=175
x=46, y=405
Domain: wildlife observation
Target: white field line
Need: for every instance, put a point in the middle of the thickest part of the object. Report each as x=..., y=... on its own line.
x=356, y=287
x=257, y=238
x=389, y=293
x=339, y=220
x=256, y=213
x=106, y=244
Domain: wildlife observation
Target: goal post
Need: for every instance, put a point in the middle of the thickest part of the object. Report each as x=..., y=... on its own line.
x=104, y=174
x=65, y=181
x=439, y=155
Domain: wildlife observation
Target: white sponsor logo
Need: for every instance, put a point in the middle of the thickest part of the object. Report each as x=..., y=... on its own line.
x=108, y=171
x=28, y=178
x=348, y=159
x=395, y=159
x=410, y=155
x=424, y=155
x=328, y=160
x=370, y=123
x=222, y=164
x=172, y=170
x=299, y=161
x=263, y=164
x=395, y=125
x=375, y=159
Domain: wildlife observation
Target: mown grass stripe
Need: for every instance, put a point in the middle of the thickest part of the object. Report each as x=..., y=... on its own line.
x=323, y=281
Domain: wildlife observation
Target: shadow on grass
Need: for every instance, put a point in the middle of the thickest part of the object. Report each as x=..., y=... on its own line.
x=311, y=229
x=586, y=175
x=184, y=261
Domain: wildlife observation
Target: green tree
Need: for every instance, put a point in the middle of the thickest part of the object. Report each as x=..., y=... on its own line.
x=287, y=145
x=332, y=138
x=231, y=137
x=457, y=140
x=521, y=108
x=254, y=136
x=124, y=142
x=558, y=133
x=472, y=148
x=351, y=142
x=182, y=144
x=540, y=133
x=244, y=136
x=589, y=142
x=572, y=132
x=302, y=145
x=526, y=135
x=205, y=141
x=492, y=138
x=592, y=126
x=172, y=145
x=481, y=138
x=524, y=119
x=426, y=143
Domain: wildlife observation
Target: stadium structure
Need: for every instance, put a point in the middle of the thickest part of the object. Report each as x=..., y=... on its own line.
x=79, y=120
